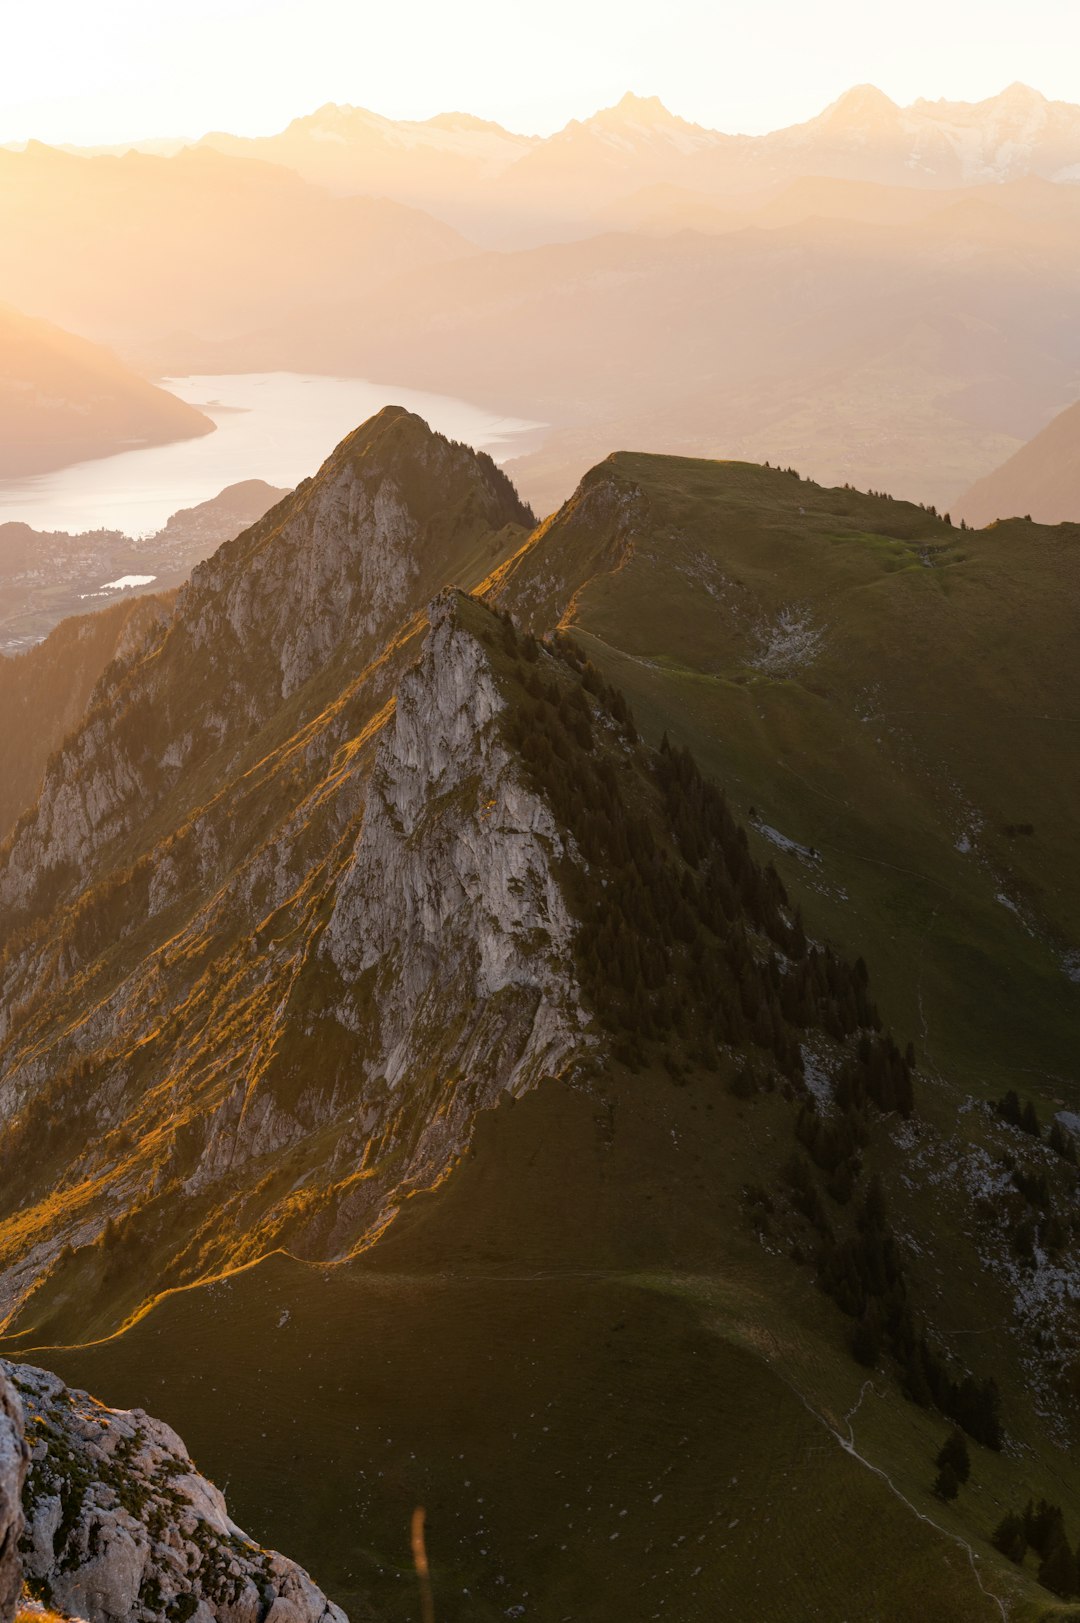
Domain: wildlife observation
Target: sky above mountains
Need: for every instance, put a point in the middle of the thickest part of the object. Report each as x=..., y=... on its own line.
x=125, y=70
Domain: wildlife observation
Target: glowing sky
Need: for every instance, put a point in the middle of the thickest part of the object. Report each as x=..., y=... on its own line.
x=73, y=70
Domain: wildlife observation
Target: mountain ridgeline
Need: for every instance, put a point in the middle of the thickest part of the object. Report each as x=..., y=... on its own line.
x=434, y=896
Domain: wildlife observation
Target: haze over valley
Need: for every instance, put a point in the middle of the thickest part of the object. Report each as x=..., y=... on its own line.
x=881, y=296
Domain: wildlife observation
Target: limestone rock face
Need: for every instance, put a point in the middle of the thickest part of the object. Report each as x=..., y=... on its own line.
x=12, y=1472
x=330, y=572
x=121, y=1528
x=233, y=880
x=452, y=903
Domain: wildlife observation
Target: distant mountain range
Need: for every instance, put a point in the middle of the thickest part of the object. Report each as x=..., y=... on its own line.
x=463, y=169
x=64, y=400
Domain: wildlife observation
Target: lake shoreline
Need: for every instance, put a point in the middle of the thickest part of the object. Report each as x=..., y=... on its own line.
x=275, y=426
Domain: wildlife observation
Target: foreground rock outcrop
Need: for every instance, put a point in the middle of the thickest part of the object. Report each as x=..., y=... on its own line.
x=121, y=1528
x=12, y=1472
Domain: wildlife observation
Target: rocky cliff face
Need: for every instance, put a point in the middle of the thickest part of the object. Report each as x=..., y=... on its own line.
x=305, y=599
x=286, y=914
x=12, y=1472
x=121, y=1527
x=450, y=901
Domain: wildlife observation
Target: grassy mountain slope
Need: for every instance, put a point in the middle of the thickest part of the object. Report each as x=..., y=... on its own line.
x=879, y=687
x=63, y=400
x=1042, y=480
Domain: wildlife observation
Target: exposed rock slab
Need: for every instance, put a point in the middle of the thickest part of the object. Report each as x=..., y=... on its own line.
x=12, y=1472
x=121, y=1527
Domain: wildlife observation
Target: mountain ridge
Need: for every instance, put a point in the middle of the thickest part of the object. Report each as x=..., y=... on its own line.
x=1013, y=133
x=274, y=696
x=199, y=235
x=362, y=920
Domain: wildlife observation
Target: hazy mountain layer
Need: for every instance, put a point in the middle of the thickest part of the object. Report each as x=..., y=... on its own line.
x=881, y=295
x=63, y=400
x=445, y=165
x=510, y=188
x=196, y=244
x=1042, y=480
x=908, y=357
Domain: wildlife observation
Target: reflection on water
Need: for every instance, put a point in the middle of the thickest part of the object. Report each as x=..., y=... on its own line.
x=277, y=426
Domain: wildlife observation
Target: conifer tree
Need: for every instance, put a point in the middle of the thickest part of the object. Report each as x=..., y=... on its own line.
x=1044, y=1525
x=954, y=1452
x=1010, y=1538
x=1009, y=1108
x=1057, y=1570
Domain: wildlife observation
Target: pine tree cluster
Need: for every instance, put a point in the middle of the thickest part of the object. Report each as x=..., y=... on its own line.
x=864, y=1275
x=1040, y=1527
x=953, y=1466
x=686, y=940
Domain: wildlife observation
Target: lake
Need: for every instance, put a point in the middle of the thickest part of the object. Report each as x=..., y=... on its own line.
x=277, y=426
